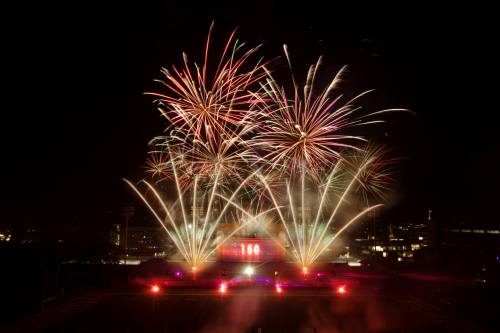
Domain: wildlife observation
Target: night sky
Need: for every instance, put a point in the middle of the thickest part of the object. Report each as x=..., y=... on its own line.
x=75, y=120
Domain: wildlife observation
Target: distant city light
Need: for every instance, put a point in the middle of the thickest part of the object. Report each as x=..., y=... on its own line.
x=5, y=237
x=354, y=263
x=341, y=290
x=420, y=238
x=222, y=288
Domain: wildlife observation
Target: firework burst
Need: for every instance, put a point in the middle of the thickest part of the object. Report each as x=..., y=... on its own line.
x=199, y=103
x=207, y=156
x=209, y=115
x=375, y=179
x=309, y=129
x=157, y=164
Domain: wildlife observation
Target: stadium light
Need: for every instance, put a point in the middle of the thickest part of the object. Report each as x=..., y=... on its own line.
x=249, y=271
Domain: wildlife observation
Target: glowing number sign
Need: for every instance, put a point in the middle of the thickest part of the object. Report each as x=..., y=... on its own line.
x=250, y=249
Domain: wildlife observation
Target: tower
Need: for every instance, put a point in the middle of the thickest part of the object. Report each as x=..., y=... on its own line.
x=127, y=212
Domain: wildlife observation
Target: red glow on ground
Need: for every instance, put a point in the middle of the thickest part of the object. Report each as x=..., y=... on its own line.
x=155, y=289
x=341, y=290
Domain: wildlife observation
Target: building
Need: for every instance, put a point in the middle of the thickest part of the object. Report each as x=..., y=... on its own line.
x=143, y=242
x=400, y=242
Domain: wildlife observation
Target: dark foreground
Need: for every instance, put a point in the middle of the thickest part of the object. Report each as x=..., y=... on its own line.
x=253, y=309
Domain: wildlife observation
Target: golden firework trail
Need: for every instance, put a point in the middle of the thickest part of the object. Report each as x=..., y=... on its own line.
x=193, y=233
x=309, y=237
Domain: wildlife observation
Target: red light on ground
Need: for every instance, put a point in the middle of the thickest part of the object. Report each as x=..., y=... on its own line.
x=222, y=288
x=155, y=289
x=279, y=290
x=341, y=290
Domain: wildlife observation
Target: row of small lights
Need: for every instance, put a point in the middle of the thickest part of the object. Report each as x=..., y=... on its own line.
x=249, y=271
x=155, y=289
x=279, y=289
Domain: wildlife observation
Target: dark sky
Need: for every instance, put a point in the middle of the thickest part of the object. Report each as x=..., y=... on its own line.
x=75, y=120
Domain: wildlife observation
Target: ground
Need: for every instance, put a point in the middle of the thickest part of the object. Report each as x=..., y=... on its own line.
x=252, y=309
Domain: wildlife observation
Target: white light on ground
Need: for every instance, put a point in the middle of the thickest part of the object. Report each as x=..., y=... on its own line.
x=249, y=270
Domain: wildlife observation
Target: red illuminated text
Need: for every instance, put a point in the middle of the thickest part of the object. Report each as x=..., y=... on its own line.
x=250, y=249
